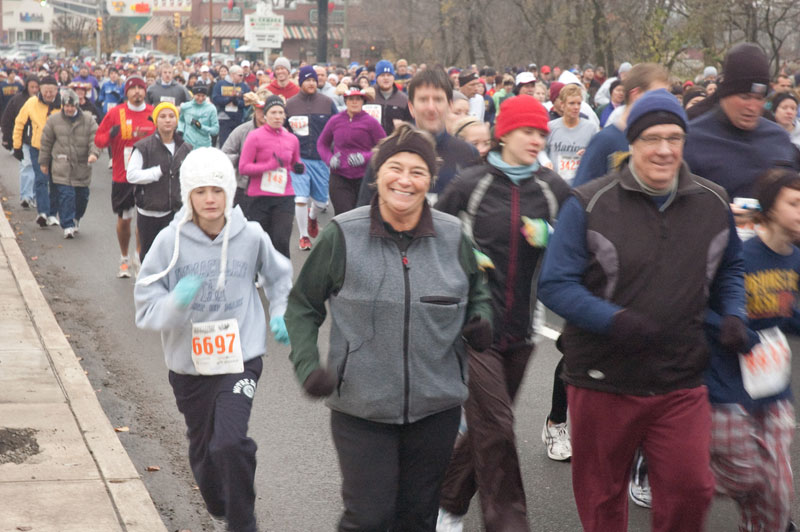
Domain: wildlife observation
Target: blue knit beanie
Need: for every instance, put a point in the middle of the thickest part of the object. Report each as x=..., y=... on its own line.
x=654, y=108
x=384, y=67
x=305, y=73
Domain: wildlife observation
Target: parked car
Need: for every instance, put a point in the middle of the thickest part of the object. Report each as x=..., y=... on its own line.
x=51, y=50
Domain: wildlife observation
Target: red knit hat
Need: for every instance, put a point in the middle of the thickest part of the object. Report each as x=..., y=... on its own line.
x=521, y=111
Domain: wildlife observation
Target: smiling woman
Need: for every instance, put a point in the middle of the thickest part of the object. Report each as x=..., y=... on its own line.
x=405, y=294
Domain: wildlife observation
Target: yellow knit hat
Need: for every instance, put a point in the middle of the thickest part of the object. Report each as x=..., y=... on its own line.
x=164, y=105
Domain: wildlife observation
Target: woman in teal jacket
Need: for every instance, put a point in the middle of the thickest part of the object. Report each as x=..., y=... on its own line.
x=198, y=119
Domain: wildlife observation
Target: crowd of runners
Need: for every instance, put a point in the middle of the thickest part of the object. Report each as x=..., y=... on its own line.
x=656, y=215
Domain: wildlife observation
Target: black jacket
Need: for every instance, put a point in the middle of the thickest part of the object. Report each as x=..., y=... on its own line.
x=395, y=107
x=164, y=194
x=497, y=232
x=10, y=115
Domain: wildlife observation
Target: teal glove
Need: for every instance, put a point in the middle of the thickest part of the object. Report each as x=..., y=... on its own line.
x=186, y=289
x=278, y=327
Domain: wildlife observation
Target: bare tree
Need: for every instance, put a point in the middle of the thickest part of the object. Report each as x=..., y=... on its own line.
x=72, y=32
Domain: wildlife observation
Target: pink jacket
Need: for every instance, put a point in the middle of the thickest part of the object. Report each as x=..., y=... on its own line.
x=262, y=150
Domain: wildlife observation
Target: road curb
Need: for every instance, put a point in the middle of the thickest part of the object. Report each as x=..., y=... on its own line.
x=127, y=492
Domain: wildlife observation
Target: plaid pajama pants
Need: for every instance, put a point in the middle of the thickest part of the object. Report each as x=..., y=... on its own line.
x=751, y=462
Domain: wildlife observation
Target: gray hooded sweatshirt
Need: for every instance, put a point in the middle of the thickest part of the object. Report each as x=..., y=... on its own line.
x=250, y=252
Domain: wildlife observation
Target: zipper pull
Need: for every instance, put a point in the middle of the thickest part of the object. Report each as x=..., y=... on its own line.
x=405, y=261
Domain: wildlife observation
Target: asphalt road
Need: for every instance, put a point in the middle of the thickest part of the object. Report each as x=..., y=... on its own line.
x=298, y=478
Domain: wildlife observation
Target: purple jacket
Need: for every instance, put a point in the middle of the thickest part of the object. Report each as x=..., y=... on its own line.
x=345, y=136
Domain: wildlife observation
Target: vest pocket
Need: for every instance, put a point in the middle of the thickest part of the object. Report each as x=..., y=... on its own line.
x=440, y=300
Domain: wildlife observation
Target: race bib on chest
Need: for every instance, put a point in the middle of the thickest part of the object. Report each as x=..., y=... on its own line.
x=231, y=108
x=374, y=110
x=168, y=99
x=568, y=167
x=216, y=347
x=299, y=125
x=767, y=368
x=275, y=181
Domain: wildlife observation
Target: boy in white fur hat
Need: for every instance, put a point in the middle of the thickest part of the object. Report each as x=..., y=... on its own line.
x=196, y=287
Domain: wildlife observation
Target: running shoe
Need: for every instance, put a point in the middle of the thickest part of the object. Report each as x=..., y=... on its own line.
x=639, y=486
x=305, y=243
x=25, y=204
x=448, y=522
x=219, y=524
x=77, y=225
x=313, y=227
x=556, y=439
x=42, y=220
x=124, y=269
x=69, y=232
x=52, y=220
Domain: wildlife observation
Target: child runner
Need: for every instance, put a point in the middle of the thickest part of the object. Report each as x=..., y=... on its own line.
x=752, y=429
x=196, y=288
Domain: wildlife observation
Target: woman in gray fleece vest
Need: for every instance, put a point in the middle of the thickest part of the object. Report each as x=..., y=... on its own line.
x=405, y=293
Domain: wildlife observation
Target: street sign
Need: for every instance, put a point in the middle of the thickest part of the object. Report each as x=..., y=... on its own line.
x=345, y=53
x=263, y=30
x=129, y=8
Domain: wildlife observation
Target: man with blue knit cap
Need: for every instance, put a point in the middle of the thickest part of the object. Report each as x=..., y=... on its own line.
x=636, y=258
x=306, y=116
x=391, y=104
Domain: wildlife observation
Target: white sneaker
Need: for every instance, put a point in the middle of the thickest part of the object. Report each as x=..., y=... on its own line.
x=556, y=439
x=52, y=220
x=639, y=485
x=69, y=232
x=110, y=162
x=41, y=219
x=124, y=269
x=77, y=225
x=447, y=522
x=219, y=524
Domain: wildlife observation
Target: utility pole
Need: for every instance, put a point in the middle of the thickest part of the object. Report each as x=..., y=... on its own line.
x=177, y=23
x=99, y=28
x=210, y=30
x=344, y=37
x=322, y=32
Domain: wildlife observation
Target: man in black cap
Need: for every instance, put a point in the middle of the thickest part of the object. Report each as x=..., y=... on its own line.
x=469, y=84
x=733, y=143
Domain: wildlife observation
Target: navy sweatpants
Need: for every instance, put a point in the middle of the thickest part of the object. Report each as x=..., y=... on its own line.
x=223, y=459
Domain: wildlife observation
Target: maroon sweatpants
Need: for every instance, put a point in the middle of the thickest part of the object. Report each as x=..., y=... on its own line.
x=674, y=429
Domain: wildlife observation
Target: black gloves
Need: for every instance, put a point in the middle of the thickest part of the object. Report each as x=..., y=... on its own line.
x=320, y=383
x=196, y=123
x=478, y=333
x=633, y=330
x=18, y=155
x=165, y=168
x=299, y=168
x=733, y=334
x=114, y=131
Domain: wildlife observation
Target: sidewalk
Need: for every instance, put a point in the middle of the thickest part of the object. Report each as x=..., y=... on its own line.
x=62, y=467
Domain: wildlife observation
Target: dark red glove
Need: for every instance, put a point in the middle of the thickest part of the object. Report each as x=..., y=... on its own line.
x=478, y=333
x=633, y=330
x=733, y=334
x=320, y=383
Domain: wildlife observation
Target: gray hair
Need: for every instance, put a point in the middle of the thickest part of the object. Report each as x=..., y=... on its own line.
x=235, y=69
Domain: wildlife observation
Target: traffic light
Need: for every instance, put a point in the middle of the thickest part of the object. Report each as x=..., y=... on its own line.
x=99, y=23
x=176, y=20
